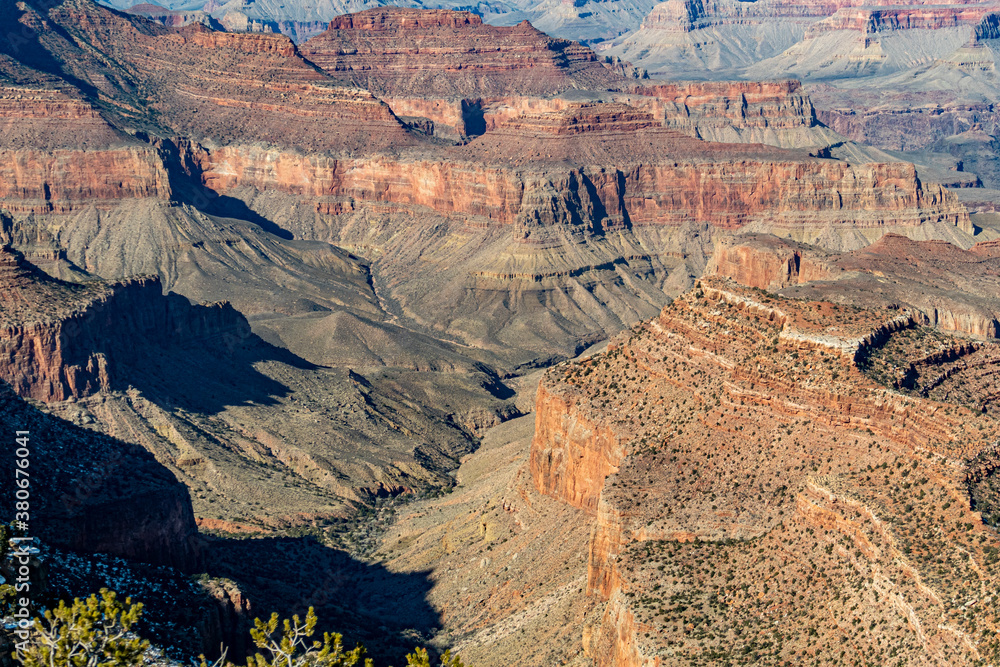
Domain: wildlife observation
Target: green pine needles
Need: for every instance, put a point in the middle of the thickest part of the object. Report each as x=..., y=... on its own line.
x=98, y=632
x=294, y=649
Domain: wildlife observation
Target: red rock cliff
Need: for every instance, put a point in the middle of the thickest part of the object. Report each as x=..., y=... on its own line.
x=727, y=193
x=61, y=340
x=571, y=455
x=62, y=181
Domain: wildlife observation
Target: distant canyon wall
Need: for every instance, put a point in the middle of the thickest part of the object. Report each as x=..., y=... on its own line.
x=787, y=197
x=723, y=194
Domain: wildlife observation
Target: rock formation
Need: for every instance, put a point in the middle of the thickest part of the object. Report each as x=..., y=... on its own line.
x=450, y=68
x=208, y=84
x=172, y=18
x=775, y=113
x=731, y=450
x=871, y=20
x=950, y=288
x=791, y=30
x=64, y=341
x=397, y=52
x=684, y=183
x=897, y=76
x=585, y=188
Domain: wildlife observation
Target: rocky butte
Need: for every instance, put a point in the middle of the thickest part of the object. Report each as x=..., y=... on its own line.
x=759, y=494
x=62, y=340
x=450, y=69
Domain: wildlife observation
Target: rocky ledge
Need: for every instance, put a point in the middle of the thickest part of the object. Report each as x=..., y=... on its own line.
x=942, y=284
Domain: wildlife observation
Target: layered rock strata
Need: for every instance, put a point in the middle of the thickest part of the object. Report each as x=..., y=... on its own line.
x=586, y=189
x=871, y=20
x=397, y=52
x=285, y=84
x=945, y=286
x=64, y=181
x=450, y=68
x=776, y=113
x=199, y=83
x=781, y=187
x=731, y=450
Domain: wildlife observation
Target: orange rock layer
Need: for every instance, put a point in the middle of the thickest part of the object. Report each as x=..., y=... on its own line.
x=874, y=20
x=60, y=181
x=725, y=194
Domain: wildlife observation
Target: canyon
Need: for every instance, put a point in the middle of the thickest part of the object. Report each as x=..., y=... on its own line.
x=310, y=282
x=596, y=185
x=916, y=79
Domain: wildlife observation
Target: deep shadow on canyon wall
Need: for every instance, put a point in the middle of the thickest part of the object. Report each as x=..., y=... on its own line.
x=93, y=494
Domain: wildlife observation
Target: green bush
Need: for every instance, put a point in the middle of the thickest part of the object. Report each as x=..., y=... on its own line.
x=98, y=632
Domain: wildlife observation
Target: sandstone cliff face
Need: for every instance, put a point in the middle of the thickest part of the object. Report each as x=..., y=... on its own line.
x=794, y=191
x=61, y=341
x=572, y=455
x=724, y=460
x=725, y=195
x=62, y=181
x=738, y=102
x=775, y=113
x=767, y=263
